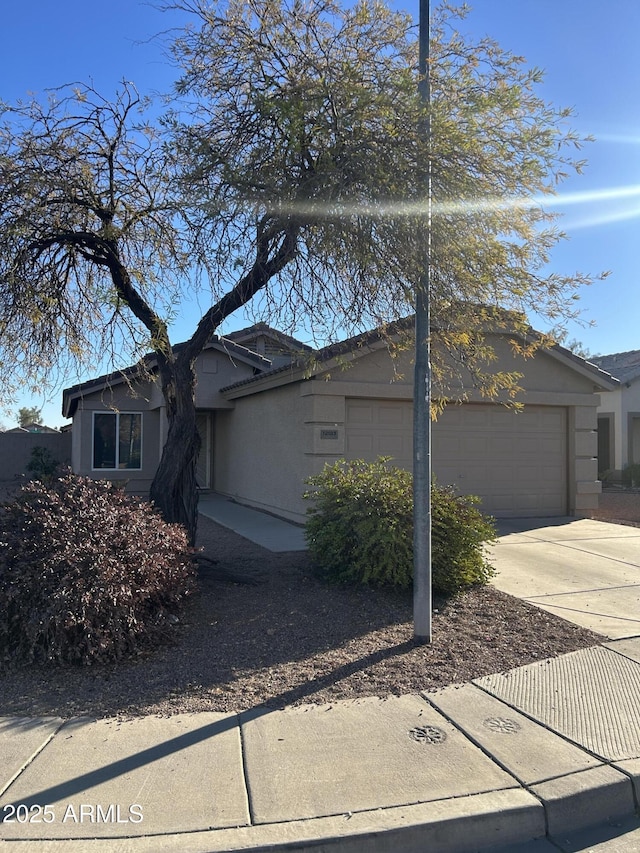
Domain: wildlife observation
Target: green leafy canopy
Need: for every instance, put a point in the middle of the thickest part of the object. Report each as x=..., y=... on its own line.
x=286, y=176
x=289, y=167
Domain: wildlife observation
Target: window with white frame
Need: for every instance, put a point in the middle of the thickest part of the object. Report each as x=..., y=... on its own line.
x=117, y=440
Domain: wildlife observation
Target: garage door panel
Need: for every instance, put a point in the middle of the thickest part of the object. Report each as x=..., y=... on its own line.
x=515, y=461
x=391, y=446
x=501, y=505
x=527, y=445
x=477, y=445
x=553, y=420
x=391, y=416
x=528, y=420
x=446, y=446
x=359, y=447
x=503, y=478
x=359, y=413
x=476, y=419
x=526, y=502
x=497, y=420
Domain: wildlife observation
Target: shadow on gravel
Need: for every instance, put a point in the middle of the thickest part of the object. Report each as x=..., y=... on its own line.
x=290, y=639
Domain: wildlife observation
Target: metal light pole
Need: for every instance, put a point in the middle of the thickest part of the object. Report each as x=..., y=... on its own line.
x=422, y=387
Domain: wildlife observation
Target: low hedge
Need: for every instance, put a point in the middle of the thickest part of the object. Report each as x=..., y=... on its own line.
x=360, y=528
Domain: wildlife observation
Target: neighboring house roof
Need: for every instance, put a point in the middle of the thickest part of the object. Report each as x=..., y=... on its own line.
x=148, y=364
x=33, y=427
x=625, y=366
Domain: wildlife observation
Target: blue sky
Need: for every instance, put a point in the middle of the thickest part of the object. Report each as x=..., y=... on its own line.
x=588, y=49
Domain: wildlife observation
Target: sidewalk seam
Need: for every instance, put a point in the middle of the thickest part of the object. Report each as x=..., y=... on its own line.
x=521, y=784
x=605, y=762
x=33, y=757
x=540, y=600
x=630, y=777
x=245, y=775
x=582, y=591
x=610, y=648
x=565, y=544
x=538, y=722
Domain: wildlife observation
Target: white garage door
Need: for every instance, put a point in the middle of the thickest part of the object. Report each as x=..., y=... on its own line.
x=515, y=461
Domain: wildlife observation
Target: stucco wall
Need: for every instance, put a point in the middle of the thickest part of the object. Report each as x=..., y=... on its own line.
x=16, y=449
x=216, y=370
x=543, y=374
x=118, y=399
x=304, y=426
x=260, y=452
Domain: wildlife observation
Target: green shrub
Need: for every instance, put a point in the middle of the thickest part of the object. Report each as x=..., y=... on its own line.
x=360, y=528
x=88, y=574
x=459, y=536
x=42, y=465
x=631, y=475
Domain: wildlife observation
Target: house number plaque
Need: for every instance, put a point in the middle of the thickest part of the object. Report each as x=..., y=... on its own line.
x=329, y=433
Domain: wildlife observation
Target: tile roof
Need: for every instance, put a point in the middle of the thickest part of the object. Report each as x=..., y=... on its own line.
x=625, y=366
x=148, y=364
x=314, y=359
x=264, y=329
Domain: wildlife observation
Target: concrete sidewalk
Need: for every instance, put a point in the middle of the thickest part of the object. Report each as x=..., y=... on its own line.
x=266, y=530
x=541, y=751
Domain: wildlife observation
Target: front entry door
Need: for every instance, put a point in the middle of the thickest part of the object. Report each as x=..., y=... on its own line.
x=203, y=465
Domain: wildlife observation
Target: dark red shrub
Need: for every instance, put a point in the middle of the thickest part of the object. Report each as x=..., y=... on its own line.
x=88, y=574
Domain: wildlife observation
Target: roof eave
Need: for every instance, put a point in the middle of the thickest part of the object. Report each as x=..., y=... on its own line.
x=604, y=381
x=298, y=371
x=71, y=396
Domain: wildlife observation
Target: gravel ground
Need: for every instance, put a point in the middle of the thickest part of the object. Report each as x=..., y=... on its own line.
x=288, y=639
x=619, y=505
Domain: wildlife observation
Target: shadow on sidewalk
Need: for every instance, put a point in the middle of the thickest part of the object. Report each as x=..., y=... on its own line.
x=85, y=781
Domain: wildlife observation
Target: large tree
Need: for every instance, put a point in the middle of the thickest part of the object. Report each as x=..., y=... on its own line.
x=289, y=170
x=29, y=415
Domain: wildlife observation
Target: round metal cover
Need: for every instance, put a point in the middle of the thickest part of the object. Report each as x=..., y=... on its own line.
x=428, y=734
x=503, y=725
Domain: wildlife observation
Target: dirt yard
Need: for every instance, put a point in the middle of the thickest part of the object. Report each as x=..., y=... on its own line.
x=289, y=639
x=619, y=506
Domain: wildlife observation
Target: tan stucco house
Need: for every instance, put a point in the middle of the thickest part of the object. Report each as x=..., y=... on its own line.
x=619, y=414
x=272, y=413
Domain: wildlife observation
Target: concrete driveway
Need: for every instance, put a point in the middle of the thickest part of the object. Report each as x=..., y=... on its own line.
x=585, y=571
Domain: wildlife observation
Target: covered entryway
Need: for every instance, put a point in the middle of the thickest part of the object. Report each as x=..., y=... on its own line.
x=515, y=461
x=605, y=444
x=204, y=465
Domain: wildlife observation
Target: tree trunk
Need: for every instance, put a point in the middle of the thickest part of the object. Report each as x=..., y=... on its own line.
x=174, y=490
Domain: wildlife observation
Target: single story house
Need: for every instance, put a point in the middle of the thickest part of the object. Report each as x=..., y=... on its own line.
x=619, y=414
x=271, y=413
